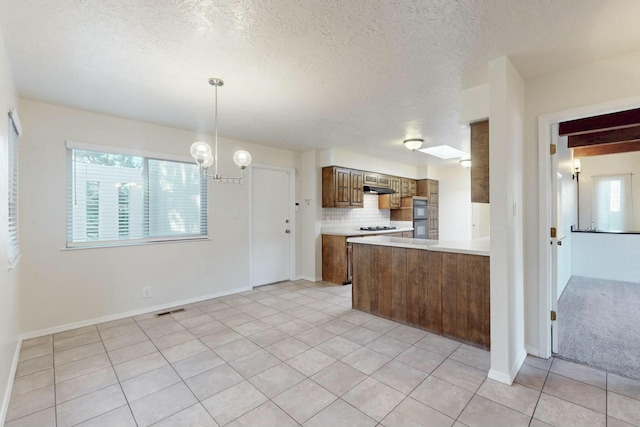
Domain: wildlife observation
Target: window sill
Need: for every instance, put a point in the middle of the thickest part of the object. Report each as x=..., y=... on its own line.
x=124, y=245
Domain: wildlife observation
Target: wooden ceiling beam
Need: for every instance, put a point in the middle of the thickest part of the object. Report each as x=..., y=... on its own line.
x=598, y=150
x=604, y=137
x=611, y=121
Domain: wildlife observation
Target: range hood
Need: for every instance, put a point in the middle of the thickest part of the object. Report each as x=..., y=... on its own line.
x=377, y=190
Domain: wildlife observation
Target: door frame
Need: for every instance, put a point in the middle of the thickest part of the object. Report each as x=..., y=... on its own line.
x=545, y=123
x=291, y=172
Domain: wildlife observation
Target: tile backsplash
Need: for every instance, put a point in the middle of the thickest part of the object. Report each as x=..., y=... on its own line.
x=369, y=215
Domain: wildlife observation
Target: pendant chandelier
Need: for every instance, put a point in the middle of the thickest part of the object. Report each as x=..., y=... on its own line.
x=205, y=158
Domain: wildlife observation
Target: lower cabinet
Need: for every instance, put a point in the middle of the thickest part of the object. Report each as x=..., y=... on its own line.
x=444, y=293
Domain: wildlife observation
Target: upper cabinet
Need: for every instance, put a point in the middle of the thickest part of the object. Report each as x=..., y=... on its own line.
x=391, y=201
x=480, y=162
x=376, y=180
x=342, y=187
x=408, y=187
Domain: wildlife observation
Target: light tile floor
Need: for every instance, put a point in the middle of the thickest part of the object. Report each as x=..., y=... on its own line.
x=291, y=354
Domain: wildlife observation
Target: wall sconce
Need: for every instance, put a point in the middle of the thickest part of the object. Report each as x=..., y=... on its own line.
x=413, y=144
x=465, y=163
x=576, y=165
x=576, y=168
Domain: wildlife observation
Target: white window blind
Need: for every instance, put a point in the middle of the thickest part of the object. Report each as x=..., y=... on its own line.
x=13, y=249
x=115, y=198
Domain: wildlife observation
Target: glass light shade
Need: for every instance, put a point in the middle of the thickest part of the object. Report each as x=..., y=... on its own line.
x=576, y=165
x=413, y=144
x=207, y=161
x=465, y=163
x=242, y=158
x=199, y=150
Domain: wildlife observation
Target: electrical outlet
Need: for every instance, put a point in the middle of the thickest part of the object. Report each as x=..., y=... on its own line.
x=146, y=292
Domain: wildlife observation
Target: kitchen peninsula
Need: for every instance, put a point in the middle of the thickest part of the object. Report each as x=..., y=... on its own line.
x=441, y=287
x=336, y=253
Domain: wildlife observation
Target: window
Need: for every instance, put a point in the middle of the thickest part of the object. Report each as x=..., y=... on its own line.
x=612, y=202
x=120, y=198
x=15, y=130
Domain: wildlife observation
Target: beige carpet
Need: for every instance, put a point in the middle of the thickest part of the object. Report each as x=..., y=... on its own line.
x=599, y=325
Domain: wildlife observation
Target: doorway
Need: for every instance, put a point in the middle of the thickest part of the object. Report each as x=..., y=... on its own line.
x=551, y=213
x=272, y=235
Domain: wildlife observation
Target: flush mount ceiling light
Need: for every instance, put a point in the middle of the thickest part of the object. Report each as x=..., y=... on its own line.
x=443, y=152
x=201, y=151
x=465, y=163
x=413, y=144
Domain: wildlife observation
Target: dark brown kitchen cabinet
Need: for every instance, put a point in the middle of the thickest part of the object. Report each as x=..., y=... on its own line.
x=342, y=187
x=480, y=162
x=408, y=187
x=376, y=180
x=391, y=201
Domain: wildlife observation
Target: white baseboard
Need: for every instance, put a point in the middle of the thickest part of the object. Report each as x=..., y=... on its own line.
x=83, y=323
x=499, y=376
x=513, y=371
x=309, y=278
x=9, y=388
x=534, y=351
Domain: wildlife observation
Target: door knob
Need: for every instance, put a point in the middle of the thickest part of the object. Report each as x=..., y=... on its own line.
x=287, y=231
x=286, y=221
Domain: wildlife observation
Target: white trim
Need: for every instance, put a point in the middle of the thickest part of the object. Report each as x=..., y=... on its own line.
x=9, y=388
x=291, y=172
x=309, y=278
x=16, y=121
x=545, y=122
x=513, y=371
x=128, y=151
x=109, y=318
x=534, y=351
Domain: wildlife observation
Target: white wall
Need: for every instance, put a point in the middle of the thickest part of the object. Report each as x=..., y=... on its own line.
x=607, y=80
x=606, y=256
x=9, y=279
x=454, y=202
x=610, y=164
x=506, y=89
x=65, y=286
x=349, y=159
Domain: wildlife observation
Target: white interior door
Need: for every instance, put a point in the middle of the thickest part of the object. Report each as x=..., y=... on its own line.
x=563, y=213
x=272, y=226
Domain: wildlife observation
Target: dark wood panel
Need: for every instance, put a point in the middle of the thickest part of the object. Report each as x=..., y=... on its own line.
x=361, y=284
x=416, y=287
x=462, y=297
x=381, y=261
x=476, y=294
x=487, y=302
x=434, y=292
x=449, y=294
x=480, y=162
x=399, y=284
x=617, y=120
x=598, y=150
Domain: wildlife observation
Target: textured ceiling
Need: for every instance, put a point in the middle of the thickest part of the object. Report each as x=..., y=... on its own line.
x=357, y=74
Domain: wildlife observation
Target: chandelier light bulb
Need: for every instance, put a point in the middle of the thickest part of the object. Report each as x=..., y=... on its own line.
x=242, y=158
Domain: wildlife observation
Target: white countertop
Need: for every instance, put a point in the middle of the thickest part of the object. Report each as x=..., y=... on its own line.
x=355, y=231
x=469, y=247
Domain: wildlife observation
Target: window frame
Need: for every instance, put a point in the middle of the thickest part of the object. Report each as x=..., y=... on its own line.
x=146, y=155
x=13, y=223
